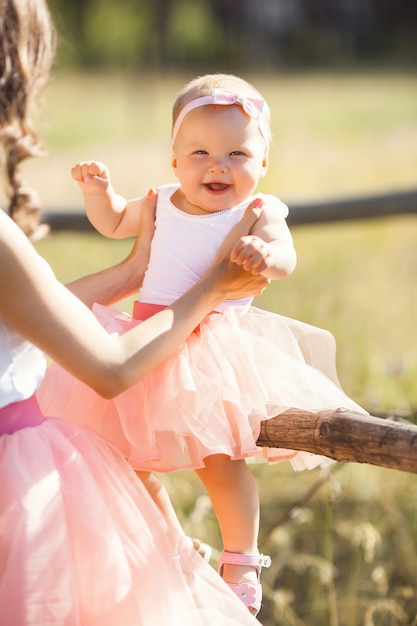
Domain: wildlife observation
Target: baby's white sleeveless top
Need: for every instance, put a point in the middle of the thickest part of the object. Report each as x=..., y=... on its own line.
x=184, y=246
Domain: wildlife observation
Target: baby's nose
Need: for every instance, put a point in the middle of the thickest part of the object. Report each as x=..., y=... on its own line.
x=218, y=164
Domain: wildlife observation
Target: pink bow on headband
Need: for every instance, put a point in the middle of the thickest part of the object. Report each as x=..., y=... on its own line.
x=252, y=107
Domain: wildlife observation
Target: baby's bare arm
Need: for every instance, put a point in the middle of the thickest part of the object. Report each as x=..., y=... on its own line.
x=269, y=248
x=109, y=212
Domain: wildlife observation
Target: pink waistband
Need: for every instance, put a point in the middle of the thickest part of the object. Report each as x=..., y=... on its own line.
x=143, y=310
x=18, y=415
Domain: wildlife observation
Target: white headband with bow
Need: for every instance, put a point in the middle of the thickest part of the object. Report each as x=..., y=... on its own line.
x=251, y=106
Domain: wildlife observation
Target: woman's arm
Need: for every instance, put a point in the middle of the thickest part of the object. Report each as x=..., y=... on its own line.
x=125, y=278
x=42, y=310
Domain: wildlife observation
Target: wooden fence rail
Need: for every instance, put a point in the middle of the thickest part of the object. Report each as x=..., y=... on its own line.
x=345, y=436
x=400, y=203
x=368, y=207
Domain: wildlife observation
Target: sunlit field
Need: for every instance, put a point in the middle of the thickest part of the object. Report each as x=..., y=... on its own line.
x=334, y=135
x=343, y=544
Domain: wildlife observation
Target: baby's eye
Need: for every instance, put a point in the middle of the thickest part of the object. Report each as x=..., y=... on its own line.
x=201, y=152
x=237, y=153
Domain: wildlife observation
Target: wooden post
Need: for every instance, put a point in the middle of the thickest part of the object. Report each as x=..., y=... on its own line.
x=344, y=436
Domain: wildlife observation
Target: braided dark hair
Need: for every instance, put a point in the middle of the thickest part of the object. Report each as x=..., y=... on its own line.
x=27, y=47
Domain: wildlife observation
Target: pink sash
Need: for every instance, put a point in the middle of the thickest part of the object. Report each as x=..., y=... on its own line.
x=21, y=414
x=143, y=310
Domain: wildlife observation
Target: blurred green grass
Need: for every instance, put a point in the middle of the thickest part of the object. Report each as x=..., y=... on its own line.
x=346, y=555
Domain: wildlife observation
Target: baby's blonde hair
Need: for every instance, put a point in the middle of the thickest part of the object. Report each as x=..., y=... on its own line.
x=204, y=85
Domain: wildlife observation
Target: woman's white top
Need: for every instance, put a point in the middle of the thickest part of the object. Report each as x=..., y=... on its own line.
x=22, y=366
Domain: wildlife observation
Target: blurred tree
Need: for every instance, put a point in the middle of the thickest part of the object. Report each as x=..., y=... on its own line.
x=231, y=21
x=161, y=12
x=118, y=34
x=235, y=34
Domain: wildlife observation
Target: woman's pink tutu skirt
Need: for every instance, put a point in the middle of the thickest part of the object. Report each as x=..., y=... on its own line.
x=236, y=370
x=82, y=543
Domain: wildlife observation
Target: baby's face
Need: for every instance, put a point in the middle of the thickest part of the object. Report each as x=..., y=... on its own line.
x=218, y=156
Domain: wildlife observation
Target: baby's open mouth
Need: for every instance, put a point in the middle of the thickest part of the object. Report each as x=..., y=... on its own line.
x=217, y=186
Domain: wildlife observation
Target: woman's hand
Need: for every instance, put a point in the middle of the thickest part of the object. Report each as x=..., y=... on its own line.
x=125, y=278
x=137, y=260
x=231, y=267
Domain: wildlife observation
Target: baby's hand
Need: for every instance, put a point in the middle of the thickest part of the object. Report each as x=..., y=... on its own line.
x=92, y=176
x=253, y=253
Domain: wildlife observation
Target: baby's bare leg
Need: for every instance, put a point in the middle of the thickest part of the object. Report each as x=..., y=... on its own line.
x=160, y=496
x=234, y=495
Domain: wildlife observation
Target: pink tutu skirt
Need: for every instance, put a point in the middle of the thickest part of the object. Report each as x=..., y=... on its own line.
x=82, y=543
x=236, y=370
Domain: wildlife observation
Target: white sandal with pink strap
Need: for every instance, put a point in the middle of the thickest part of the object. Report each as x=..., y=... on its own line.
x=250, y=593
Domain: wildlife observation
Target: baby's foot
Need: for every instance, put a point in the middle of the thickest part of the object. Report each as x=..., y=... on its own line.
x=242, y=573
